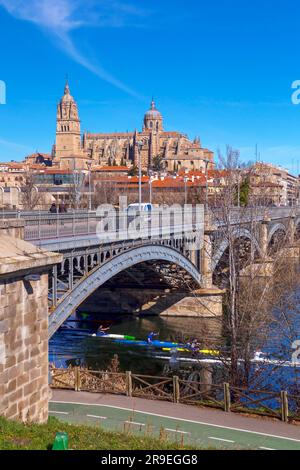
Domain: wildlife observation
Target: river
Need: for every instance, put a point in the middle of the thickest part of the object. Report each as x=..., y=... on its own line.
x=73, y=344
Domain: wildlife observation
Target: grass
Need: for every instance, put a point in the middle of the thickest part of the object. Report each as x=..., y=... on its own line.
x=15, y=435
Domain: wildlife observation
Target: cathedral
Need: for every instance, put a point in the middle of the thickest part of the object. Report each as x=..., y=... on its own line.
x=173, y=150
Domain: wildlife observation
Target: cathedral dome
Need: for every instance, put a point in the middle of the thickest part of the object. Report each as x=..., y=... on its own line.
x=153, y=119
x=153, y=113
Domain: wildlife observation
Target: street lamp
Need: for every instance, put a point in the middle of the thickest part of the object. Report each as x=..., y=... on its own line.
x=206, y=183
x=90, y=193
x=238, y=173
x=139, y=146
x=150, y=187
x=185, y=179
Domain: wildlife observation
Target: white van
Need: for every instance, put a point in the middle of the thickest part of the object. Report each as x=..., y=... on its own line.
x=145, y=207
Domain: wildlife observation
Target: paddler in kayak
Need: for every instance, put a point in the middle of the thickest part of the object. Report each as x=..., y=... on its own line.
x=193, y=346
x=102, y=330
x=151, y=336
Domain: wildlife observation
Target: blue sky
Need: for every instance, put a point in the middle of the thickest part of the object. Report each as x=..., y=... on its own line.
x=221, y=70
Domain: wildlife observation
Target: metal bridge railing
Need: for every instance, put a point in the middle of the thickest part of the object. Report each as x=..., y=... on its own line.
x=114, y=227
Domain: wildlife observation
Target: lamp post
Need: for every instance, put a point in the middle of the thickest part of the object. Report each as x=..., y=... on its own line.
x=139, y=146
x=238, y=173
x=185, y=179
x=206, y=183
x=150, y=188
x=90, y=193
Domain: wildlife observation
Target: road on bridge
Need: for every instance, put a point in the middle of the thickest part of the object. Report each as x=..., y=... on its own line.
x=181, y=423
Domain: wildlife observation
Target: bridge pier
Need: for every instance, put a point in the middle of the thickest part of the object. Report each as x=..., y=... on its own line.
x=263, y=237
x=24, y=270
x=291, y=230
x=206, y=262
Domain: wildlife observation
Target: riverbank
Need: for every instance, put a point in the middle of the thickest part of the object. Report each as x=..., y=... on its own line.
x=17, y=436
x=192, y=426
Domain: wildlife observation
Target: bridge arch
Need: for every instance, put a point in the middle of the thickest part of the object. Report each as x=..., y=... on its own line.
x=297, y=228
x=222, y=247
x=279, y=227
x=112, y=267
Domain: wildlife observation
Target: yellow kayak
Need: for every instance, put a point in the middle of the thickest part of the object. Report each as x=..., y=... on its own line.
x=210, y=352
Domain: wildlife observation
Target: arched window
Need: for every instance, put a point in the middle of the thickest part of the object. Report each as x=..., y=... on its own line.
x=157, y=125
x=151, y=124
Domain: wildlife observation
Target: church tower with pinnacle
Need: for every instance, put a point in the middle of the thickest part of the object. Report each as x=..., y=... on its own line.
x=68, y=140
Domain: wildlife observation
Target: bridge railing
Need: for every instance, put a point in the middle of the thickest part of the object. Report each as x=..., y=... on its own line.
x=115, y=226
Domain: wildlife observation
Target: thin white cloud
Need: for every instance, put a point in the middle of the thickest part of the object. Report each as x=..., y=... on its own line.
x=13, y=145
x=59, y=18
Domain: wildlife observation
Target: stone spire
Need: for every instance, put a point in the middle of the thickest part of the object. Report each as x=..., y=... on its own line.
x=67, y=88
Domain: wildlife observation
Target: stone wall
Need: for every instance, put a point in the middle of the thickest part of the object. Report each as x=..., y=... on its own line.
x=23, y=325
x=24, y=349
x=12, y=227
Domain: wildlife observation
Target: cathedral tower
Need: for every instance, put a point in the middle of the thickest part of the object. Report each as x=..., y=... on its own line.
x=68, y=142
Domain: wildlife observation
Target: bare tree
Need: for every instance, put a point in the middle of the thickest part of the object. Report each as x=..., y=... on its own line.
x=30, y=196
x=258, y=279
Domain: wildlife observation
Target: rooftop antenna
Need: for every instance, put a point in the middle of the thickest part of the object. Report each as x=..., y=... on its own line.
x=256, y=158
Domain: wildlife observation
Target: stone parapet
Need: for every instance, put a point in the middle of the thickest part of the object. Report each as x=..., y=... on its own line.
x=12, y=227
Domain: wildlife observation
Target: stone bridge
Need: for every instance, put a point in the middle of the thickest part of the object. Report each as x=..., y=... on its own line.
x=74, y=263
x=89, y=262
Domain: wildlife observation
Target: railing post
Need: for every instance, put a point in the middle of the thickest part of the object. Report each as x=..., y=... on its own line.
x=227, y=400
x=128, y=383
x=77, y=379
x=176, y=389
x=284, y=406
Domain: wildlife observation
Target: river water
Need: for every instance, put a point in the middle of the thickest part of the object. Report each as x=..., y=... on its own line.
x=73, y=344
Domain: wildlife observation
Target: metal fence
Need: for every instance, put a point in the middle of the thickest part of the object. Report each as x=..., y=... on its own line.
x=114, y=226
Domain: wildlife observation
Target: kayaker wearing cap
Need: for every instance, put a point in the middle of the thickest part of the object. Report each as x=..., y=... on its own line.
x=151, y=336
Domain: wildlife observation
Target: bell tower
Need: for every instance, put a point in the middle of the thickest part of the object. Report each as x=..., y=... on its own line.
x=68, y=141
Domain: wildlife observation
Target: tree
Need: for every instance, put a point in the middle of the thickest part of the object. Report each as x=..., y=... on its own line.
x=257, y=281
x=134, y=171
x=157, y=164
x=75, y=189
x=30, y=196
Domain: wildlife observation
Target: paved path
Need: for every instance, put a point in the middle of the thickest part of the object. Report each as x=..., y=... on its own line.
x=187, y=424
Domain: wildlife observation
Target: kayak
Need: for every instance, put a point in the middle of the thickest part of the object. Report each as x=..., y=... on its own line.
x=155, y=343
x=201, y=351
x=100, y=334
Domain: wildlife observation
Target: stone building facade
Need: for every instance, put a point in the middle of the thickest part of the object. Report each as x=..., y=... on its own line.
x=175, y=149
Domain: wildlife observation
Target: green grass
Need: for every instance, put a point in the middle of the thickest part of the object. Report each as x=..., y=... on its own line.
x=14, y=436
